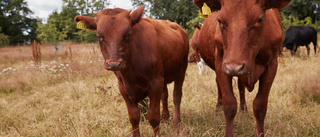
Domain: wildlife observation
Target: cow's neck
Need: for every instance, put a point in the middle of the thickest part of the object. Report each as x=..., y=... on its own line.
x=136, y=89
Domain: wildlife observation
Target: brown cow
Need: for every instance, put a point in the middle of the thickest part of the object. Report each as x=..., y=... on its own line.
x=242, y=38
x=145, y=55
x=194, y=57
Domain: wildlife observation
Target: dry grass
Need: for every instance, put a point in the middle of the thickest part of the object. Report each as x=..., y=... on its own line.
x=75, y=96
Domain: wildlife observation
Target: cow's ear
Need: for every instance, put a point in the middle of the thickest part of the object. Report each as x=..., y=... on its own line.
x=136, y=15
x=279, y=4
x=89, y=22
x=214, y=5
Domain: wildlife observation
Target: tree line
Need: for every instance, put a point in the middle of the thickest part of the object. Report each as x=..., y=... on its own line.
x=18, y=26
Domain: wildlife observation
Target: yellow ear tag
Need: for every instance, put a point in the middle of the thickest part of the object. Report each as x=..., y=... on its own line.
x=81, y=25
x=202, y=15
x=206, y=9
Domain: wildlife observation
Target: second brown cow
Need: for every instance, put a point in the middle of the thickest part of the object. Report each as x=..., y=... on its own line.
x=145, y=55
x=242, y=38
x=194, y=57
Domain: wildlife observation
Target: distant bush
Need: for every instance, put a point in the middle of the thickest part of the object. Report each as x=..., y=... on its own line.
x=190, y=24
x=86, y=36
x=4, y=39
x=49, y=33
x=288, y=21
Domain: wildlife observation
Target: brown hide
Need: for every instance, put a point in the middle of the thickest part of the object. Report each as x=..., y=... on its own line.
x=194, y=57
x=145, y=55
x=243, y=38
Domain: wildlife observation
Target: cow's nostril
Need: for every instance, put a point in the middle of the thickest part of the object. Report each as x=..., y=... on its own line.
x=118, y=64
x=236, y=68
x=113, y=65
x=232, y=69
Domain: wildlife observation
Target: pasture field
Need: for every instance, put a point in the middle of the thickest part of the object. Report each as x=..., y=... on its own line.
x=71, y=94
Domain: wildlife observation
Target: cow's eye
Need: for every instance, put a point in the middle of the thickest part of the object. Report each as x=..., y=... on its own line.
x=222, y=25
x=260, y=20
x=100, y=39
x=127, y=37
x=219, y=21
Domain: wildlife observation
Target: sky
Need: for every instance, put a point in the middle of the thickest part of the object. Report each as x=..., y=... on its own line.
x=42, y=8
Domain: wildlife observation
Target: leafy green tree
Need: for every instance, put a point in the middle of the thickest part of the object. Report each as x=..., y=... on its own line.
x=287, y=22
x=84, y=7
x=303, y=9
x=301, y=13
x=191, y=23
x=180, y=11
x=63, y=25
x=16, y=22
x=71, y=8
x=49, y=33
x=3, y=39
x=86, y=36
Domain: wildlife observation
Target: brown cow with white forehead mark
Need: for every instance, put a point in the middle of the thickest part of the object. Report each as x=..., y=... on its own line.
x=145, y=55
x=242, y=38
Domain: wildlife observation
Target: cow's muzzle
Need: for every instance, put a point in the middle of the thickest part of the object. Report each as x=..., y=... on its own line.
x=233, y=69
x=113, y=65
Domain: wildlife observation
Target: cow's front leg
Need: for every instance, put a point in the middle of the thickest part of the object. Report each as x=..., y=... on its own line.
x=134, y=114
x=154, y=108
x=260, y=103
x=164, y=98
x=308, y=49
x=132, y=106
x=219, y=101
x=294, y=50
x=134, y=117
x=229, y=102
x=242, y=93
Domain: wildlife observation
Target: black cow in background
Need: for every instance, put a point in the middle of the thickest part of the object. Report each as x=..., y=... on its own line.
x=300, y=36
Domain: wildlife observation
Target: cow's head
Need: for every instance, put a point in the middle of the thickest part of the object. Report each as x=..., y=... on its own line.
x=242, y=25
x=114, y=33
x=194, y=57
x=198, y=26
x=287, y=45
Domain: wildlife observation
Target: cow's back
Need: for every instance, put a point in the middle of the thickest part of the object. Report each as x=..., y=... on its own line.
x=165, y=44
x=174, y=48
x=300, y=35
